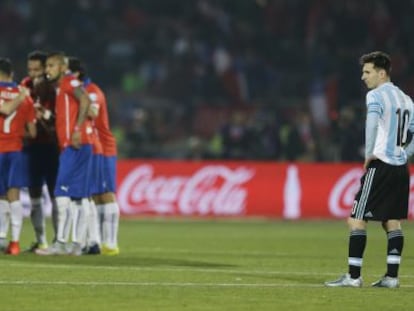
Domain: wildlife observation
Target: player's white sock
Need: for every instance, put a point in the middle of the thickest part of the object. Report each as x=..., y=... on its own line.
x=64, y=219
x=80, y=209
x=110, y=224
x=100, y=210
x=93, y=234
x=54, y=217
x=4, y=218
x=16, y=216
x=38, y=220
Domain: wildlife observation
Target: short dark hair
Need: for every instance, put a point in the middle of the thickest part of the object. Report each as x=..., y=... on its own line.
x=75, y=65
x=58, y=54
x=6, y=66
x=37, y=55
x=379, y=59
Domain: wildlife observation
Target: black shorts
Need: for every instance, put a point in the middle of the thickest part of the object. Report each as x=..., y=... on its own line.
x=383, y=194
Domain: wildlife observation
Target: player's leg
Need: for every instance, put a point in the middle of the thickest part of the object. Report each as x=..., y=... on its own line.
x=395, y=244
x=93, y=231
x=37, y=217
x=80, y=211
x=109, y=209
x=357, y=231
x=4, y=222
x=4, y=204
x=16, y=220
x=51, y=177
x=110, y=224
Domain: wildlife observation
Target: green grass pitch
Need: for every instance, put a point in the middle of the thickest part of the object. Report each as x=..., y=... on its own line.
x=187, y=264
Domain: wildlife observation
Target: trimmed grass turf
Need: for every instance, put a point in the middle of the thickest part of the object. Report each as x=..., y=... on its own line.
x=187, y=264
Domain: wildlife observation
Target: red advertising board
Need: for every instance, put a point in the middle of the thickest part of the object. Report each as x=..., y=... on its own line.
x=269, y=189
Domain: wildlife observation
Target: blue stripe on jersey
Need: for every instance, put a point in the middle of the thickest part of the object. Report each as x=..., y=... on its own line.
x=395, y=110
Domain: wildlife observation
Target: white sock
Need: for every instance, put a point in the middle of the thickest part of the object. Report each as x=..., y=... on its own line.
x=100, y=210
x=110, y=224
x=64, y=219
x=4, y=218
x=80, y=210
x=93, y=232
x=16, y=216
x=38, y=220
x=54, y=218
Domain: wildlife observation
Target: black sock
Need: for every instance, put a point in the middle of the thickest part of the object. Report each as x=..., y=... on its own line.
x=357, y=242
x=394, y=251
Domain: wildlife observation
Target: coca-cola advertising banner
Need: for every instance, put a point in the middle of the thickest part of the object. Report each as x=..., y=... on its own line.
x=269, y=189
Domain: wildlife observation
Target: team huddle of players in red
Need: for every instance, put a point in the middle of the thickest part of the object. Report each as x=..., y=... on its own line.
x=54, y=131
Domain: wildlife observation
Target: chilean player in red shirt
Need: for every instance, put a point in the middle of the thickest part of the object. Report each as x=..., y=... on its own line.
x=105, y=186
x=17, y=119
x=42, y=152
x=74, y=131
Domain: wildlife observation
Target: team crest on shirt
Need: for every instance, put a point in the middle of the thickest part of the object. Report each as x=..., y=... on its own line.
x=93, y=97
x=75, y=83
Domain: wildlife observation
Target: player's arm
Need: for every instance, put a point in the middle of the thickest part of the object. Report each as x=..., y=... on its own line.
x=12, y=105
x=84, y=103
x=371, y=129
x=93, y=111
x=31, y=130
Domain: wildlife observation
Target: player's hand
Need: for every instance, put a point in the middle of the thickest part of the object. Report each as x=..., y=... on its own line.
x=76, y=139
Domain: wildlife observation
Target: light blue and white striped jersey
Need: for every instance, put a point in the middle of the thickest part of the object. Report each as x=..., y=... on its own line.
x=390, y=115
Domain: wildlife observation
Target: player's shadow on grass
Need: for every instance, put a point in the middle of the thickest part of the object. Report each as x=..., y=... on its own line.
x=135, y=261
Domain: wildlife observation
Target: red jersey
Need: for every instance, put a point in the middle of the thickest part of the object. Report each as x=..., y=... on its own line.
x=101, y=122
x=12, y=127
x=43, y=94
x=67, y=110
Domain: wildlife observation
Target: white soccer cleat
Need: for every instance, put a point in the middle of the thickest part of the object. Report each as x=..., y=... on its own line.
x=57, y=248
x=387, y=281
x=345, y=281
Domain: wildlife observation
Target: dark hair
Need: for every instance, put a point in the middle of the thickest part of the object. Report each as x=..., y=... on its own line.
x=379, y=59
x=6, y=66
x=58, y=54
x=37, y=55
x=75, y=65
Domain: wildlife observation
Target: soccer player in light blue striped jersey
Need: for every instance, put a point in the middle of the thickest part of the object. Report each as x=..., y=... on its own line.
x=384, y=191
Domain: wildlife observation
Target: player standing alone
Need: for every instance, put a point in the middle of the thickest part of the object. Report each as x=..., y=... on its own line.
x=384, y=191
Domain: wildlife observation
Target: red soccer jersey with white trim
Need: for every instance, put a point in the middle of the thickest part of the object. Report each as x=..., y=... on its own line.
x=101, y=122
x=12, y=127
x=67, y=110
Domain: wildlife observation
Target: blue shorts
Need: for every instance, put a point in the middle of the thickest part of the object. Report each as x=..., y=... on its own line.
x=42, y=164
x=12, y=171
x=74, y=172
x=109, y=175
x=97, y=183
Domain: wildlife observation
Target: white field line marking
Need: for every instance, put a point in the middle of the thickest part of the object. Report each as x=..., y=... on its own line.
x=177, y=284
x=189, y=269
x=166, y=284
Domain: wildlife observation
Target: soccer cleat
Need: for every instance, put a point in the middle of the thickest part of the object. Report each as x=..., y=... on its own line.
x=57, y=248
x=13, y=248
x=93, y=250
x=387, y=281
x=36, y=245
x=76, y=249
x=107, y=251
x=345, y=281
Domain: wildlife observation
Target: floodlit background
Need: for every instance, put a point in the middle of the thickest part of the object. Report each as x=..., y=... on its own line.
x=264, y=79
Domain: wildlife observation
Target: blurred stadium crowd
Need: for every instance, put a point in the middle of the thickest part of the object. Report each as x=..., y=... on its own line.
x=228, y=79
